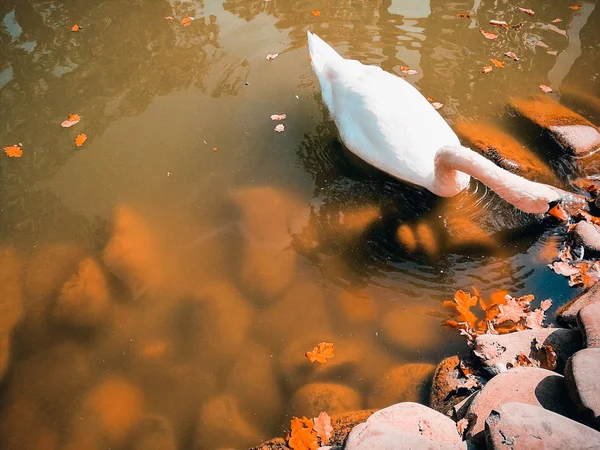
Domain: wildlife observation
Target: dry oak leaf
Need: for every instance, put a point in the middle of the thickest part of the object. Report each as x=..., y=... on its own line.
x=302, y=436
x=500, y=23
x=278, y=116
x=497, y=63
x=76, y=28
x=321, y=353
x=488, y=35
x=526, y=11
x=486, y=69
x=13, y=151
x=514, y=309
x=512, y=56
x=80, y=140
x=316, y=13
x=546, y=304
x=545, y=88
x=279, y=128
x=72, y=120
x=322, y=425
x=407, y=70
x=463, y=15
x=187, y=21
x=271, y=56
x=462, y=304
x=575, y=7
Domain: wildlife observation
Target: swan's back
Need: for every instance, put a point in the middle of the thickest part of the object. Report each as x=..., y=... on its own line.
x=381, y=117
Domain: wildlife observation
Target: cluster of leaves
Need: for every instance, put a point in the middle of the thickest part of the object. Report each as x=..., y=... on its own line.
x=305, y=433
x=499, y=315
x=321, y=353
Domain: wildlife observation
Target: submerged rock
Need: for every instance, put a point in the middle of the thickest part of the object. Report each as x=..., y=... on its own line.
x=412, y=424
x=449, y=386
x=11, y=302
x=531, y=385
x=411, y=329
x=589, y=324
x=152, y=433
x=405, y=383
x=567, y=314
x=581, y=376
x=310, y=400
x=523, y=427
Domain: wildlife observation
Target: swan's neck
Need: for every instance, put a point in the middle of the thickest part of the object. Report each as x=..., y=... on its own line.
x=528, y=196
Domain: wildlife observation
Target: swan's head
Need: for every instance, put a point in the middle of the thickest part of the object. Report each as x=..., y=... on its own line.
x=566, y=204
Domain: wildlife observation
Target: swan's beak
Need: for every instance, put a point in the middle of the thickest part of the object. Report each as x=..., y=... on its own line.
x=558, y=211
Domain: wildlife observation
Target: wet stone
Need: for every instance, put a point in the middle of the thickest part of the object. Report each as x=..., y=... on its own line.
x=310, y=400
x=583, y=382
x=344, y=423
x=448, y=385
x=589, y=324
x=520, y=426
x=152, y=433
x=411, y=329
x=11, y=302
x=531, y=385
x=498, y=353
x=272, y=444
x=576, y=135
x=504, y=150
x=587, y=235
x=405, y=383
x=567, y=314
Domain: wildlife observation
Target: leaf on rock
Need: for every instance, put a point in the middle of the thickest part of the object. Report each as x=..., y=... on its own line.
x=589, y=218
x=13, y=151
x=527, y=11
x=279, y=128
x=302, y=436
x=488, y=35
x=408, y=71
x=512, y=56
x=316, y=13
x=500, y=23
x=321, y=353
x=514, y=310
x=497, y=63
x=187, y=21
x=546, y=304
x=463, y=15
x=80, y=140
x=486, y=69
x=271, y=56
x=523, y=360
x=545, y=355
x=535, y=319
x=72, y=120
x=322, y=425
x=545, y=88
x=278, y=116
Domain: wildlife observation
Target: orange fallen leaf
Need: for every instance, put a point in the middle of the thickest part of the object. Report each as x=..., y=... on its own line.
x=13, y=151
x=512, y=55
x=72, y=120
x=462, y=304
x=278, y=116
x=214, y=149
x=575, y=7
x=279, y=128
x=526, y=11
x=486, y=69
x=545, y=88
x=408, y=71
x=316, y=13
x=463, y=15
x=187, y=21
x=272, y=56
x=488, y=35
x=557, y=20
x=80, y=140
x=302, y=436
x=500, y=23
x=322, y=425
x=321, y=353
x=76, y=28
x=497, y=63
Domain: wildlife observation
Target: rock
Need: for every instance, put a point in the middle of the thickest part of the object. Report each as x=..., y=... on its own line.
x=448, y=386
x=531, y=385
x=567, y=314
x=133, y=253
x=344, y=423
x=411, y=329
x=587, y=234
x=589, y=324
x=272, y=444
x=523, y=427
x=498, y=351
x=84, y=299
x=268, y=218
x=504, y=150
x=152, y=433
x=222, y=423
x=405, y=383
x=415, y=425
x=581, y=376
x=311, y=399
x=568, y=129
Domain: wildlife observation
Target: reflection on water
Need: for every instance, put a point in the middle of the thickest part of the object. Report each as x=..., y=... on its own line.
x=157, y=292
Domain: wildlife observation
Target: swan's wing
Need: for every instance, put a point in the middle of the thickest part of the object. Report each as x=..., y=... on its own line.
x=386, y=121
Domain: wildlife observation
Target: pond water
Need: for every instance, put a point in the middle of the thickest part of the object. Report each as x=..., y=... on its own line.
x=211, y=251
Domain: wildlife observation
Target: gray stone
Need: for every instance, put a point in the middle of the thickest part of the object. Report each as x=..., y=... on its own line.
x=583, y=383
x=589, y=324
x=587, y=234
x=531, y=385
x=499, y=352
x=518, y=426
x=567, y=314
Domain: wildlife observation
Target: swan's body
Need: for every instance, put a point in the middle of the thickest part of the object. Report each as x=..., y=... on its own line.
x=385, y=121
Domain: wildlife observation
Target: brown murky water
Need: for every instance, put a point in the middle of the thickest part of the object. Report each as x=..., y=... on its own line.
x=158, y=292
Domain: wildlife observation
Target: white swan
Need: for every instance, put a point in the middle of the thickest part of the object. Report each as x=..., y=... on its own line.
x=385, y=121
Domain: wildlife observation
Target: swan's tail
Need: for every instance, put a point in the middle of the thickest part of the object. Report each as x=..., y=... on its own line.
x=320, y=52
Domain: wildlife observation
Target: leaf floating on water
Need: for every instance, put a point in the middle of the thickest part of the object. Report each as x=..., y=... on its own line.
x=462, y=425
x=302, y=435
x=526, y=11
x=546, y=304
x=486, y=69
x=278, y=116
x=408, y=71
x=545, y=88
x=76, y=28
x=272, y=56
x=80, y=140
x=497, y=63
x=321, y=353
x=462, y=304
x=463, y=16
x=72, y=120
x=575, y=7
x=322, y=425
x=500, y=23
x=437, y=105
x=214, y=149
x=316, y=13
x=557, y=20
x=512, y=56
x=279, y=128
x=13, y=151
x=488, y=35
x=557, y=30
x=187, y=21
